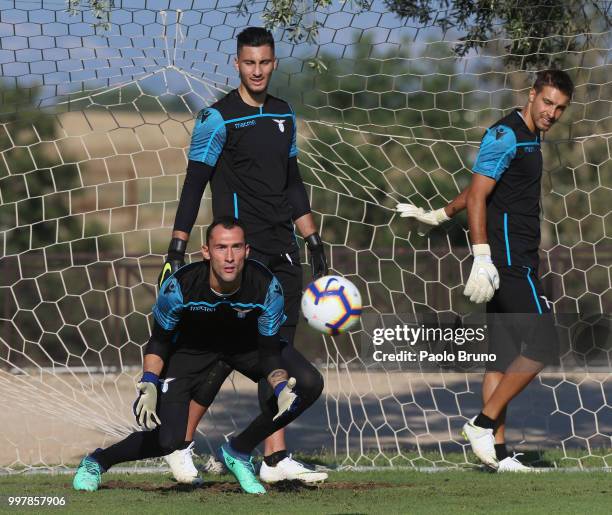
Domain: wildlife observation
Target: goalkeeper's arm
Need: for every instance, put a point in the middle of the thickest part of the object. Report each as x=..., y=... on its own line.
x=484, y=278
x=156, y=352
x=430, y=219
x=198, y=175
x=278, y=378
x=303, y=219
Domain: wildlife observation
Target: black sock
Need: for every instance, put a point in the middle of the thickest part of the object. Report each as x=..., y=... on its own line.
x=184, y=445
x=275, y=458
x=483, y=421
x=137, y=446
x=500, y=451
x=95, y=455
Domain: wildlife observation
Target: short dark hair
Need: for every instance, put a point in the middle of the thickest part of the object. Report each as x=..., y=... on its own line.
x=255, y=36
x=558, y=79
x=227, y=222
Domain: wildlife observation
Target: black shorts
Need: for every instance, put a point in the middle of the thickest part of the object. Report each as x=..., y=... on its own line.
x=520, y=320
x=247, y=363
x=199, y=375
x=189, y=375
x=203, y=388
x=287, y=269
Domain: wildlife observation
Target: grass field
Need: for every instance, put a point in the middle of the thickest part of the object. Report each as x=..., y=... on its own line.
x=386, y=491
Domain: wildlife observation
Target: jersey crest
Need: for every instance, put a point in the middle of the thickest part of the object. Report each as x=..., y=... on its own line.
x=242, y=313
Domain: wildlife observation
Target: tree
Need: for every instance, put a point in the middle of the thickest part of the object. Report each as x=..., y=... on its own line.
x=538, y=31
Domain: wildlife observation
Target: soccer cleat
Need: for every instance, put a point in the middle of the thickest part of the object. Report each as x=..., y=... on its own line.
x=214, y=466
x=88, y=475
x=290, y=469
x=242, y=469
x=513, y=465
x=482, y=442
x=182, y=467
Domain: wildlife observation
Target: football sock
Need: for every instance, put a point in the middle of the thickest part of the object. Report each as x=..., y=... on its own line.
x=137, y=446
x=184, y=446
x=275, y=458
x=501, y=451
x=483, y=421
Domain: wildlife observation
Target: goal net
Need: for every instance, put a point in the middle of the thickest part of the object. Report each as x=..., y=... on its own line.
x=94, y=129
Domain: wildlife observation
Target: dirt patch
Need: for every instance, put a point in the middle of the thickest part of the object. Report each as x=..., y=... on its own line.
x=216, y=486
x=232, y=487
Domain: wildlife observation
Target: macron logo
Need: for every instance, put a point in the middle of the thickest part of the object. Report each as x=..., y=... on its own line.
x=242, y=125
x=201, y=308
x=280, y=123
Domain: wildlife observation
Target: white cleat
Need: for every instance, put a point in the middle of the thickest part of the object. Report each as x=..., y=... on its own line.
x=513, y=465
x=482, y=442
x=290, y=469
x=182, y=467
x=215, y=467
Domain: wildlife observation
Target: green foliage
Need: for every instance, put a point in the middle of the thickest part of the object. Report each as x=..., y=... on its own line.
x=540, y=31
x=297, y=18
x=100, y=9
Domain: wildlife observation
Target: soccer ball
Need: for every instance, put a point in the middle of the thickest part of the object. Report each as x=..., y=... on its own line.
x=331, y=304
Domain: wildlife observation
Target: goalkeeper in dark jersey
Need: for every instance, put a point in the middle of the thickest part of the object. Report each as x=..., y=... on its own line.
x=227, y=308
x=245, y=146
x=503, y=204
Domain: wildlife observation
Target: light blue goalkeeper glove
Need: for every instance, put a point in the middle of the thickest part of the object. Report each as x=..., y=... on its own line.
x=287, y=400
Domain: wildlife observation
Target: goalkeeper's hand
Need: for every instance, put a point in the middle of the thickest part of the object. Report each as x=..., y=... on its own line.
x=174, y=260
x=427, y=220
x=287, y=400
x=318, y=261
x=484, y=278
x=146, y=403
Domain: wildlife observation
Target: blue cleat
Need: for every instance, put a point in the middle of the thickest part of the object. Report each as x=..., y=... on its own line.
x=241, y=465
x=88, y=475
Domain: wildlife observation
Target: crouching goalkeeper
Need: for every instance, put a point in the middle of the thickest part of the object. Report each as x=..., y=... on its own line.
x=227, y=308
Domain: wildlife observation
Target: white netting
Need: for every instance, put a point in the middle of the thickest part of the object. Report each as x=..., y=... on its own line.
x=93, y=137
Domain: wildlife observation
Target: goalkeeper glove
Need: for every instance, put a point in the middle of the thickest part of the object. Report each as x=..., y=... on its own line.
x=318, y=261
x=484, y=279
x=427, y=219
x=174, y=260
x=287, y=400
x=146, y=403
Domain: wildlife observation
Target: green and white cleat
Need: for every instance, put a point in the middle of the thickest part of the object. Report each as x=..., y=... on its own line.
x=512, y=464
x=88, y=475
x=242, y=468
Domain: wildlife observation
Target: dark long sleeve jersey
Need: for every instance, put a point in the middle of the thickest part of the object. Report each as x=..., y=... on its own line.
x=249, y=154
x=190, y=316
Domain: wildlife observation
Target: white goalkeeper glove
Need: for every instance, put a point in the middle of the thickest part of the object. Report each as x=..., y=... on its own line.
x=484, y=279
x=146, y=403
x=427, y=219
x=287, y=400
